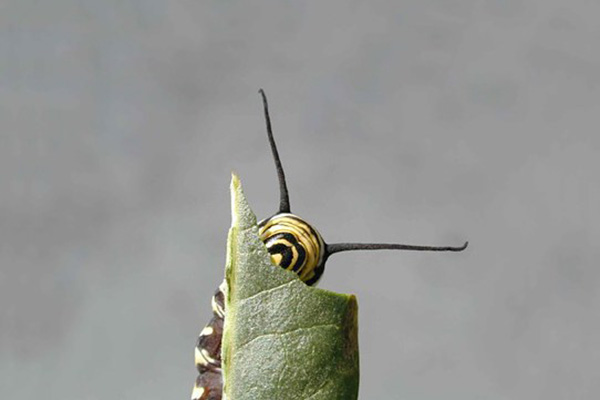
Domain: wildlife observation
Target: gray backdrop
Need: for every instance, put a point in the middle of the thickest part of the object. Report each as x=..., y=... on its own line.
x=425, y=122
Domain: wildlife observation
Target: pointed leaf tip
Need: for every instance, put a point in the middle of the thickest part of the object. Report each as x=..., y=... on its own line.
x=241, y=215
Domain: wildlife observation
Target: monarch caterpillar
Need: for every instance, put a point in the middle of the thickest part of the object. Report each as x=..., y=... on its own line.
x=293, y=244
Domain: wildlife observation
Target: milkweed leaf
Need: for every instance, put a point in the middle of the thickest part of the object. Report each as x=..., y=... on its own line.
x=282, y=340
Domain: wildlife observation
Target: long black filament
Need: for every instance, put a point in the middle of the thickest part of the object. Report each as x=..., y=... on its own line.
x=284, y=206
x=284, y=199
x=338, y=247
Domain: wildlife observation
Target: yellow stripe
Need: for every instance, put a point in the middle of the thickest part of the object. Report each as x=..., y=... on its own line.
x=282, y=241
x=294, y=258
x=276, y=258
x=201, y=357
x=207, y=331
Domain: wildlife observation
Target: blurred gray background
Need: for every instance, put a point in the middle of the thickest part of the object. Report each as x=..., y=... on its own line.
x=424, y=122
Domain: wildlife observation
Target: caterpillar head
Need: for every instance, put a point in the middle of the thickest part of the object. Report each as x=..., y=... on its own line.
x=294, y=245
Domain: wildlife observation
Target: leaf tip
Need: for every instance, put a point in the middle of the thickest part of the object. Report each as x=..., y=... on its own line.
x=241, y=214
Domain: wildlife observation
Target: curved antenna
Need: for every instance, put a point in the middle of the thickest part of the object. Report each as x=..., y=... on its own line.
x=338, y=247
x=284, y=199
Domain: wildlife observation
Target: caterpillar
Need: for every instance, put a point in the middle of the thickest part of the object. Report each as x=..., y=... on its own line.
x=293, y=244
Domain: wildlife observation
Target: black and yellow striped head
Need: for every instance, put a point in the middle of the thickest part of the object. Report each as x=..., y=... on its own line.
x=296, y=245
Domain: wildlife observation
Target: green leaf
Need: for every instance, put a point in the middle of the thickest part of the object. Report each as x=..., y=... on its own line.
x=282, y=339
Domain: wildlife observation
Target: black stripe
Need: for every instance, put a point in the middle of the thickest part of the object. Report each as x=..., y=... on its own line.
x=286, y=254
x=301, y=257
x=286, y=236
